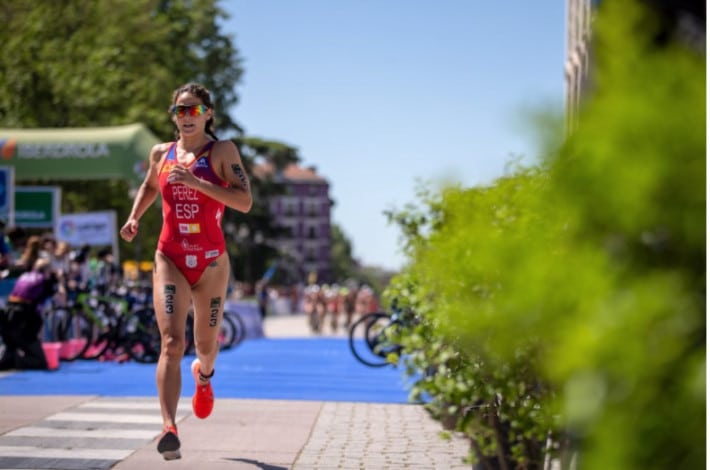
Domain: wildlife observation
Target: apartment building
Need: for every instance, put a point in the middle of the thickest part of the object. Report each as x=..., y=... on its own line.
x=303, y=212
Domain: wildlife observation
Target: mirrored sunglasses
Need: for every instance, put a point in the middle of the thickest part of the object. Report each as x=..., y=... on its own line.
x=194, y=110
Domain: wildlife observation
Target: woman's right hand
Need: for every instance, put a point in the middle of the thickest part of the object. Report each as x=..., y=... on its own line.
x=129, y=230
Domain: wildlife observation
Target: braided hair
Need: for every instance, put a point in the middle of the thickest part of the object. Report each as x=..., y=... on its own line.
x=202, y=93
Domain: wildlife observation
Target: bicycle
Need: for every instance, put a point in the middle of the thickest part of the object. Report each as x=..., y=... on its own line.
x=106, y=326
x=240, y=330
x=232, y=331
x=371, y=337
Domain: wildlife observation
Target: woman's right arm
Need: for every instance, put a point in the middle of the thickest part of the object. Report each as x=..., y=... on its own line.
x=146, y=195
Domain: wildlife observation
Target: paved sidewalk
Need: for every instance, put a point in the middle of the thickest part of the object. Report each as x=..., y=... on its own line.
x=250, y=434
x=296, y=326
x=378, y=436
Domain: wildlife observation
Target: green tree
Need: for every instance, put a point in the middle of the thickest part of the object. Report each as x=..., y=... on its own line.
x=278, y=154
x=70, y=63
x=570, y=298
x=341, y=256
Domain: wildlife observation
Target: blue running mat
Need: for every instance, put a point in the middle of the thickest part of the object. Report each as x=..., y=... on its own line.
x=321, y=369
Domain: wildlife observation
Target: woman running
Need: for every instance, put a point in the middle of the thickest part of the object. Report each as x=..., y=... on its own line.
x=196, y=176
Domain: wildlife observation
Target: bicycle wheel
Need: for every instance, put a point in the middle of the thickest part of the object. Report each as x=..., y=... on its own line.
x=226, y=336
x=240, y=329
x=103, y=329
x=366, y=339
x=227, y=330
x=141, y=336
x=71, y=325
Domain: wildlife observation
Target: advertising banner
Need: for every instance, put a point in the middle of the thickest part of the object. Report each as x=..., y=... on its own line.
x=91, y=153
x=37, y=206
x=90, y=228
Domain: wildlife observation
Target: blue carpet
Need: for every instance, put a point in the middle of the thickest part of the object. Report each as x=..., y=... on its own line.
x=288, y=369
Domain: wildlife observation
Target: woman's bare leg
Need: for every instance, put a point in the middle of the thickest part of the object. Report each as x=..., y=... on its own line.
x=208, y=297
x=171, y=300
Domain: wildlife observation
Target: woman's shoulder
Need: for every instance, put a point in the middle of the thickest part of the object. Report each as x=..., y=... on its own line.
x=159, y=150
x=224, y=149
x=161, y=147
x=227, y=145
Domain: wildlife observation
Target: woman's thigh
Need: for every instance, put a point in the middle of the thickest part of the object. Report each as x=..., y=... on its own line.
x=208, y=297
x=171, y=298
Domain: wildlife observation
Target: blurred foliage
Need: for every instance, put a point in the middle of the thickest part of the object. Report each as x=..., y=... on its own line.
x=568, y=300
x=341, y=254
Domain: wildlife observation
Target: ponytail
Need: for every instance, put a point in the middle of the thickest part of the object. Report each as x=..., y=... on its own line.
x=209, y=130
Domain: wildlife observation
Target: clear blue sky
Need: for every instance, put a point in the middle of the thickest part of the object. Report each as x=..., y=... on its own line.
x=381, y=94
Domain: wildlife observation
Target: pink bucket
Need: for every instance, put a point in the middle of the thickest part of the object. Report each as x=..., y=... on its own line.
x=71, y=348
x=77, y=344
x=51, y=353
x=65, y=350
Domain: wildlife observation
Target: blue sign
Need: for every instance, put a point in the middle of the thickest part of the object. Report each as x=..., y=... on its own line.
x=7, y=194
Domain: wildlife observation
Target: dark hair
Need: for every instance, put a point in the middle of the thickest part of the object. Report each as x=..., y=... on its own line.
x=202, y=93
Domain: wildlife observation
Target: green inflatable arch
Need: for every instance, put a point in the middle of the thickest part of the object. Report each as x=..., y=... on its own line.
x=91, y=153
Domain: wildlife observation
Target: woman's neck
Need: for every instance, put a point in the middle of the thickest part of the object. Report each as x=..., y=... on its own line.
x=193, y=143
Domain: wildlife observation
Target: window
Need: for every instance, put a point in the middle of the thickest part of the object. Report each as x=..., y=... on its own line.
x=310, y=255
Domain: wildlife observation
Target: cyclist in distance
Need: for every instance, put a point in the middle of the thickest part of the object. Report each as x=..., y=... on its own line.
x=197, y=175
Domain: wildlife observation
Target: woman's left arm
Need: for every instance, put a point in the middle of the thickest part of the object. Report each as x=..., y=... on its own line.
x=228, y=164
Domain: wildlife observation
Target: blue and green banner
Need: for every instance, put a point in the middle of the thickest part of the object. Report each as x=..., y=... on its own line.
x=91, y=153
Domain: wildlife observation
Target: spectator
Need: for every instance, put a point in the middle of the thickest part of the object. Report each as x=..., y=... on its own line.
x=48, y=246
x=29, y=256
x=21, y=320
x=79, y=273
x=16, y=239
x=60, y=259
x=5, y=255
x=262, y=297
x=106, y=273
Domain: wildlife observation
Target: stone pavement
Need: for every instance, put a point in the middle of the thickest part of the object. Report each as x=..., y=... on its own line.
x=265, y=434
x=378, y=436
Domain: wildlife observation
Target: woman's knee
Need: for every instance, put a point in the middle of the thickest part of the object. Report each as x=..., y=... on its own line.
x=173, y=346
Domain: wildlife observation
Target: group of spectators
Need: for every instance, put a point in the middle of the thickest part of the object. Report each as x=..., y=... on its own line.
x=36, y=269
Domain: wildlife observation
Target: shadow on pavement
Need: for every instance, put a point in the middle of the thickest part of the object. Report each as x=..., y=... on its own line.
x=258, y=464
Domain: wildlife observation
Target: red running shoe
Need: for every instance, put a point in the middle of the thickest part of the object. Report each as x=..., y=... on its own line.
x=169, y=444
x=203, y=399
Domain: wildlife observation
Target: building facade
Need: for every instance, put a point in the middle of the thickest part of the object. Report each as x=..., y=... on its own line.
x=302, y=213
x=578, y=52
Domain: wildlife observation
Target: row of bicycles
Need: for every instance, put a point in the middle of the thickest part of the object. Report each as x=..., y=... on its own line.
x=121, y=325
